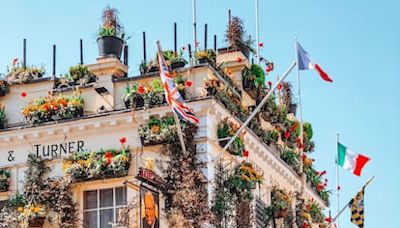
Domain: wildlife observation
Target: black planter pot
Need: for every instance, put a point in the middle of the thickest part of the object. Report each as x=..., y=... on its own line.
x=248, y=84
x=110, y=46
x=203, y=60
x=223, y=143
x=211, y=91
x=152, y=69
x=1, y=125
x=183, y=94
x=178, y=64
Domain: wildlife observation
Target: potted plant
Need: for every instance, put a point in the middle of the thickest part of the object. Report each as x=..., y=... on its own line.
x=77, y=75
x=281, y=202
x=4, y=180
x=253, y=78
x=211, y=86
x=4, y=89
x=226, y=129
x=2, y=116
x=175, y=60
x=271, y=138
x=287, y=97
x=244, y=179
x=206, y=56
x=152, y=66
x=111, y=34
x=182, y=84
x=234, y=35
x=23, y=75
x=154, y=94
x=133, y=96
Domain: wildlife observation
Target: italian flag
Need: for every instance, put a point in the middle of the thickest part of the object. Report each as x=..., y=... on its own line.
x=350, y=160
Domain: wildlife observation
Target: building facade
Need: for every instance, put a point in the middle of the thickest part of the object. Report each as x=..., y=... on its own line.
x=135, y=196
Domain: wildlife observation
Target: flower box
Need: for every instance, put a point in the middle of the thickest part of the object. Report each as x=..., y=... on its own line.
x=77, y=76
x=4, y=180
x=157, y=131
x=51, y=108
x=178, y=64
x=282, y=213
x=90, y=165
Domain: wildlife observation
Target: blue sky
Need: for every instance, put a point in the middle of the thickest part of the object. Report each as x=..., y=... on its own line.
x=356, y=42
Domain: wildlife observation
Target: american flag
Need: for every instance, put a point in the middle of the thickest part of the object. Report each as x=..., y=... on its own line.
x=172, y=94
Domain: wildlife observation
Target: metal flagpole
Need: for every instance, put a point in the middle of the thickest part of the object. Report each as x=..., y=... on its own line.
x=257, y=34
x=177, y=122
x=337, y=177
x=257, y=109
x=300, y=117
x=194, y=27
x=347, y=204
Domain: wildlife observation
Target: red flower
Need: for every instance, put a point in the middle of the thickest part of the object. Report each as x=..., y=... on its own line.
x=188, y=83
x=15, y=61
x=23, y=94
x=270, y=67
x=246, y=153
x=229, y=72
x=261, y=44
x=287, y=135
x=320, y=187
x=280, y=86
x=108, y=157
x=239, y=60
x=328, y=219
x=141, y=89
x=270, y=83
x=305, y=225
x=293, y=127
x=298, y=140
x=304, y=156
x=122, y=140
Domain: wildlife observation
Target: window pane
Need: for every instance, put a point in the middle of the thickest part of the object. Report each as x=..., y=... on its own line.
x=106, y=197
x=106, y=218
x=120, y=196
x=90, y=219
x=90, y=199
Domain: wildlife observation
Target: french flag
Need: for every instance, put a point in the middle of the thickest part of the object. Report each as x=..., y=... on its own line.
x=305, y=63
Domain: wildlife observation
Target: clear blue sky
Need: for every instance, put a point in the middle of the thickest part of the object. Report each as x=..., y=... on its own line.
x=356, y=42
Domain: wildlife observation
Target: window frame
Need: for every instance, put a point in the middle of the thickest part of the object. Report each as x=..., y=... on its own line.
x=98, y=208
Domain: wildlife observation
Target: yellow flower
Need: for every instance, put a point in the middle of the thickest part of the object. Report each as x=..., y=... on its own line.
x=20, y=209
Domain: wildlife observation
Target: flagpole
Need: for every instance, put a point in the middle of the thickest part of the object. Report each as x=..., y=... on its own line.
x=257, y=109
x=300, y=116
x=194, y=27
x=257, y=34
x=347, y=204
x=177, y=121
x=337, y=178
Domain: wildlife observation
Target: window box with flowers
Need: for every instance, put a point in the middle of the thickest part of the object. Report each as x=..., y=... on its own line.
x=78, y=75
x=158, y=131
x=91, y=165
x=206, y=56
x=315, y=180
x=51, y=108
x=4, y=180
x=226, y=129
x=137, y=96
x=23, y=75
